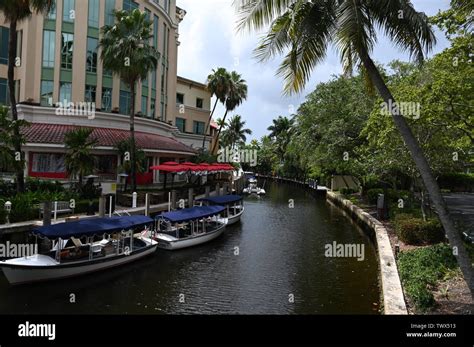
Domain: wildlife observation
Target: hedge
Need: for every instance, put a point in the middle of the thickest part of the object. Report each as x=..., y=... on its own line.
x=415, y=231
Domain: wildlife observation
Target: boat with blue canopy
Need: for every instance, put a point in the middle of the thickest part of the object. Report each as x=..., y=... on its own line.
x=234, y=206
x=82, y=247
x=188, y=227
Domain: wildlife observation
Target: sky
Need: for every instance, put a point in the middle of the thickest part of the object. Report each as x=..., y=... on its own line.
x=209, y=39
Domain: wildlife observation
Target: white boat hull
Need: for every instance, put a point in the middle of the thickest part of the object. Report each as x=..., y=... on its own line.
x=20, y=274
x=235, y=218
x=172, y=243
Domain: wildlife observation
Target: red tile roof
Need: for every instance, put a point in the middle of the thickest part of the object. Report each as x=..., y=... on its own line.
x=55, y=133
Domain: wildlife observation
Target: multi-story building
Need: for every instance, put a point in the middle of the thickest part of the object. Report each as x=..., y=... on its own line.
x=58, y=61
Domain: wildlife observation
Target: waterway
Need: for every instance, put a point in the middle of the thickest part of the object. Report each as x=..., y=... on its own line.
x=273, y=262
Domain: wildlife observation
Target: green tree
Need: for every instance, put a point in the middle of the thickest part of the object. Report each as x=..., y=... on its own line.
x=124, y=148
x=15, y=12
x=281, y=131
x=127, y=52
x=218, y=85
x=236, y=94
x=236, y=134
x=7, y=136
x=307, y=28
x=79, y=159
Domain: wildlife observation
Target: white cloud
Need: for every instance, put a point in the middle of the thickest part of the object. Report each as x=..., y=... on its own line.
x=209, y=39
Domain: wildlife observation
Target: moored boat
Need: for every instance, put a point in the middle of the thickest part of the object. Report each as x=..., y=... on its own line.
x=71, y=257
x=188, y=227
x=234, y=206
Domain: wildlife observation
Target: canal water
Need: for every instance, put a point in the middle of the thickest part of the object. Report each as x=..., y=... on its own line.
x=273, y=262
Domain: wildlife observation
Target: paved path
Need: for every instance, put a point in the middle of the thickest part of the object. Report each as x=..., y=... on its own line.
x=461, y=206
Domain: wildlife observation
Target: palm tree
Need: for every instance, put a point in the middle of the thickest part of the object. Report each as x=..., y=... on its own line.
x=235, y=133
x=280, y=132
x=126, y=51
x=125, y=146
x=236, y=94
x=79, y=159
x=218, y=86
x=307, y=28
x=15, y=12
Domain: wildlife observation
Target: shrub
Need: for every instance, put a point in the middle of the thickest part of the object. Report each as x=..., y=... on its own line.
x=457, y=182
x=421, y=269
x=34, y=184
x=348, y=191
x=415, y=231
x=373, y=194
x=82, y=206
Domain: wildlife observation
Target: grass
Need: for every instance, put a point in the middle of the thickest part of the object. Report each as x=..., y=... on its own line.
x=421, y=269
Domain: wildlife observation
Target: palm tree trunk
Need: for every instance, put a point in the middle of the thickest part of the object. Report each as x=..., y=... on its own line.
x=426, y=173
x=12, y=43
x=208, y=124
x=133, y=167
x=219, y=132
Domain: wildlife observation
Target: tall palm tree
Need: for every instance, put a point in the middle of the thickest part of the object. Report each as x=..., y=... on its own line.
x=127, y=52
x=79, y=159
x=15, y=12
x=236, y=134
x=218, y=86
x=307, y=28
x=280, y=132
x=236, y=94
x=125, y=146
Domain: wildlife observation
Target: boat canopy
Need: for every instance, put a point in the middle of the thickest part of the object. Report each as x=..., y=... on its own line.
x=91, y=227
x=222, y=200
x=193, y=213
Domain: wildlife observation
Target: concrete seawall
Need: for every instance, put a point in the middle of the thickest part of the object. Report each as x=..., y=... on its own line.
x=392, y=293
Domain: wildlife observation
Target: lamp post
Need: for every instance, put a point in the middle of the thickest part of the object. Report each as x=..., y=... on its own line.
x=8, y=208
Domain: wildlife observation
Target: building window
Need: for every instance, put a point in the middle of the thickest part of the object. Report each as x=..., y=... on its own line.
x=69, y=13
x=109, y=12
x=145, y=81
x=91, y=92
x=4, y=38
x=129, y=5
x=47, y=88
x=155, y=31
x=198, y=128
x=67, y=48
x=49, y=48
x=152, y=108
x=3, y=91
x=179, y=98
x=106, y=164
x=163, y=79
x=52, y=12
x=162, y=111
x=91, y=61
x=181, y=124
x=19, y=45
x=165, y=40
x=94, y=13
x=167, y=6
x=153, y=79
x=144, y=105
x=199, y=103
x=65, y=92
x=107, y=99
x=125, y=99
x=48, y=163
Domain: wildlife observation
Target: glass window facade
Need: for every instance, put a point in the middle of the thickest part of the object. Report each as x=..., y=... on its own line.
x=199, y=103
x=91, y=62
x=152, y=108
x=69, y=11
x=180, y=98
x=49, y=48
x=3, y=91
x=90, y=94
x=129, y=5
x=181, y=124
x=67, y=49
x=65, y=92
x=106, y=99
x=47, y=88
x=94, y=13
x=109, y=12
x=144, y=105
x=155, y=31
x=4, y=38
x=52, y=13
x=198, y=128
x=125, y=102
